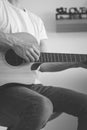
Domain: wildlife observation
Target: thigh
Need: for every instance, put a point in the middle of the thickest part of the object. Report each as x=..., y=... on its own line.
x=64, y=100
x=14, y=98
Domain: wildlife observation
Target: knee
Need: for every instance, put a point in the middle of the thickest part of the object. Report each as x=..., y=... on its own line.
x=47, y=107
x=40, y=105
x=39, y=109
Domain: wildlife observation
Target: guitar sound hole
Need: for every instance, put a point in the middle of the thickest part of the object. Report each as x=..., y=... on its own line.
x=13, y=59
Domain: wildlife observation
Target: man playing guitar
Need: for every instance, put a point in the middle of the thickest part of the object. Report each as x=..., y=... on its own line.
x=26, y=104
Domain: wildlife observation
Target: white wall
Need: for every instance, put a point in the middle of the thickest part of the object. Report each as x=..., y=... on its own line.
x=46, y=9
x=61, y=42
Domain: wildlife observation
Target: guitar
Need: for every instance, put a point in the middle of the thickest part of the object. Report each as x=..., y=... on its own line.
x=13, y=59
x=14, y=68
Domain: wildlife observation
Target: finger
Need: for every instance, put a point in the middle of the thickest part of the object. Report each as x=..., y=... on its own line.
x=35, y=55
x=21, y=54
x=29, y=55
x=26, y=59
x=36, y=50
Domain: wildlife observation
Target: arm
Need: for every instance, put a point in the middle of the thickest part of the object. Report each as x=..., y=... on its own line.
x=24, y=45
x=5, y=41
x=53, y=67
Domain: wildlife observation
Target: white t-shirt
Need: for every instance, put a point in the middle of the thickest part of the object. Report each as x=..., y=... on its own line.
x=12, y=20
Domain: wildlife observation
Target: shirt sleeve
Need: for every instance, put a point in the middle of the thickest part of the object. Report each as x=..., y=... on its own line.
x=42, y=31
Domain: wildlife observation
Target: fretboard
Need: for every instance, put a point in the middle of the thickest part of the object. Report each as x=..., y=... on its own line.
x=13, y=59
x=62, y=57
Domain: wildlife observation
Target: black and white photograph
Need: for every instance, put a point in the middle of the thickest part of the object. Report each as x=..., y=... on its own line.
x=43, y=65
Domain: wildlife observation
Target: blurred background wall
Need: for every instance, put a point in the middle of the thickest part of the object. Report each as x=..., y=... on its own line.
x=46, y=9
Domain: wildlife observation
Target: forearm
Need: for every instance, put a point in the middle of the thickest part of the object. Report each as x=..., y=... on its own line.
x=58, y=66
x=5, y=40
x=8, y=40
x=54, y=67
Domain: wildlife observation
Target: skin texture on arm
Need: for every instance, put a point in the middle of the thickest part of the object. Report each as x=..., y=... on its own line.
x=54, y=67
x=23, y=44
x=5, y=42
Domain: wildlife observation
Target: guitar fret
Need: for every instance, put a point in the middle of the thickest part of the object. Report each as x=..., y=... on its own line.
x=54, y=57
x=41, y=58
x=62, y=57
x=50, y=57
x=57, y=57
x=83, y=57
x=73, y=57
x=44, y=57
x=77, y=58
x=47, y=57
x=70, y=57
x=80, y=58
x=65, y=58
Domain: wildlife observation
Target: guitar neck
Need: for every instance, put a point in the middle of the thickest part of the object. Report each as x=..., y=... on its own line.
x=13, y=59
x=62, y=57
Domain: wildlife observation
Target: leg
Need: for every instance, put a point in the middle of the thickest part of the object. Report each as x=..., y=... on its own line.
x=68, y=101
x=23, y=108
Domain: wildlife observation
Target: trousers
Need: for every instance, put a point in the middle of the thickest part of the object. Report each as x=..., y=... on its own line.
x=29, y=107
